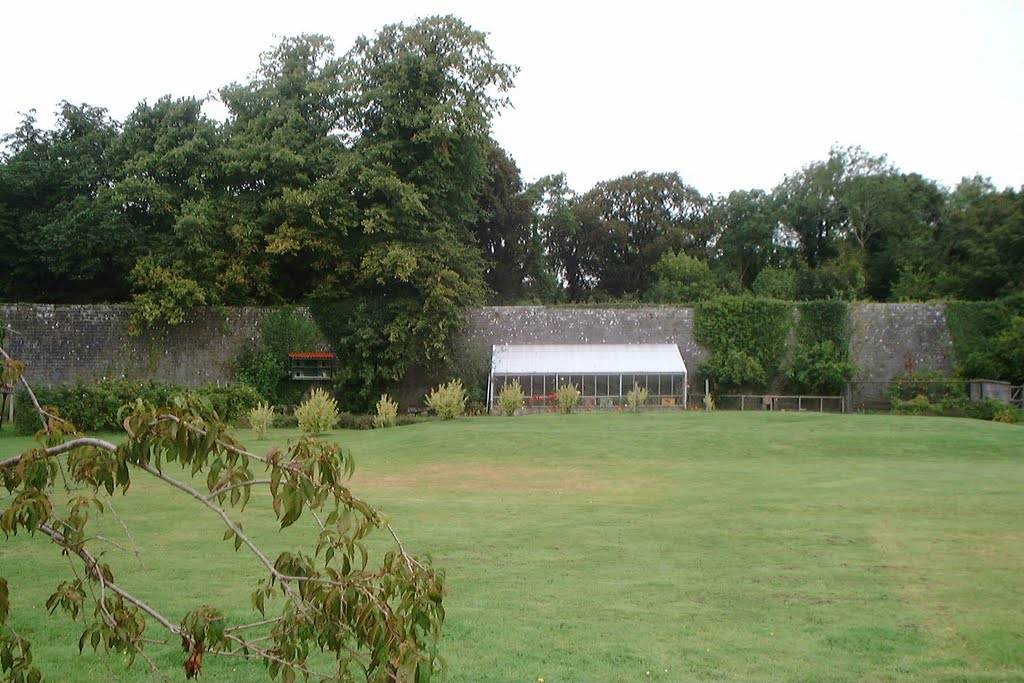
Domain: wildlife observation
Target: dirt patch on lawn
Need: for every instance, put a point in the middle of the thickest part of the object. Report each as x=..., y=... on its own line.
x=490, y=477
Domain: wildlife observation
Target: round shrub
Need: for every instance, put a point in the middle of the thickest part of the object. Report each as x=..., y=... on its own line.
x=511, y=397
x=448, y=400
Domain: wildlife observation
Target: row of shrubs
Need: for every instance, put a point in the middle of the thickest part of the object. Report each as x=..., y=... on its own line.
x=984, y=409
x=928, y=392
x=94, y=406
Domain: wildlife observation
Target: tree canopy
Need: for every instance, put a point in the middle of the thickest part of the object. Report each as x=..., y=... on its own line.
x=368, y=184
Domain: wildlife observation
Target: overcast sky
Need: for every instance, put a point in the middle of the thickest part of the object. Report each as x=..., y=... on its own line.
x=732, y=95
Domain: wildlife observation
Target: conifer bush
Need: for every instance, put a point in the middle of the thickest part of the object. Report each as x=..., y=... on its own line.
x=447, y=400
x=319, y=414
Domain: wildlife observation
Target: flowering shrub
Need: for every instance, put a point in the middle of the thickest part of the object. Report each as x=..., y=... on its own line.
x=448, y=400
x=511, y=398
x=568, y=396
x=317, y=415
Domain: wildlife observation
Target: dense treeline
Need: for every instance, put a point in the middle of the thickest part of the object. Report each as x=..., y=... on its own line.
x=369, y=184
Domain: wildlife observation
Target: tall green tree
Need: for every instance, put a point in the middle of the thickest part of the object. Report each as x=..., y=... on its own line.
x=503, y=231
x=894, y=218
x=627, y=224
x=745, y=224
x=274, y=225
x=981, y=240
x=64, y=239
x=418, y=102
x=558, y=256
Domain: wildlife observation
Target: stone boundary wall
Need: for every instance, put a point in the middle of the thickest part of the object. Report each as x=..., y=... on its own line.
x=67, y=343
x=61, y=344
x=888, y=339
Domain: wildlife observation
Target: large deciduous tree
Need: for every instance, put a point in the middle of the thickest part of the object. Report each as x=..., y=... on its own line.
x=981, y=242
x=745, y=225
x=418, y=102
x=503, y=230
x=627, y=224
x=63, y=237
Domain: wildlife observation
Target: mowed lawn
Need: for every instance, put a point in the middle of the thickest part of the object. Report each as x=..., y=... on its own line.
x=619, y=547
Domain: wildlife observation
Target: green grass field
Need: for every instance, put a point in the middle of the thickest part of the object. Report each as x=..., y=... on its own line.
x=652, y=547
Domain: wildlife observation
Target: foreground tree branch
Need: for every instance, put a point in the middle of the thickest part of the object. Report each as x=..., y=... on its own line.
x=376, y=623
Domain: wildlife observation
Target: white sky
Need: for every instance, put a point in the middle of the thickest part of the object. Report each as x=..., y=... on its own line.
x=731, y=94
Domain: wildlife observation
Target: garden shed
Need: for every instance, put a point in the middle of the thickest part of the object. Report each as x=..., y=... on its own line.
x=602, y=372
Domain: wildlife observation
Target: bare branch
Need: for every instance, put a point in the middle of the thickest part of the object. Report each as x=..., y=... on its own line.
x=225, y=489
x=219, y=511
x=93, y=571
x=258, y=624
x=64, y=448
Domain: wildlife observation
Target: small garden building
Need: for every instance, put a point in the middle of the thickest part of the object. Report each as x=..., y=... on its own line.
x=311, y=367
x=602, y=372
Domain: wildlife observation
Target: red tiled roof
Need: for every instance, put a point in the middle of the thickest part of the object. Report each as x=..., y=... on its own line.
x=316, y=355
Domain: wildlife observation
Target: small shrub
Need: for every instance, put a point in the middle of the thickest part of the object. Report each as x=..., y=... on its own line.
x=985, y=409
x=407, y=419
x=317, y=415
x=447, y=400
x=821, y=369
x=511, y=397
x=26, y=419
x=914, y=406
x=92, y=406
x=1008, y=415
x=568, y=397
x=387, y=412
x=636, y=397
x=735, y=370
x=260, y=419
x=356, y=421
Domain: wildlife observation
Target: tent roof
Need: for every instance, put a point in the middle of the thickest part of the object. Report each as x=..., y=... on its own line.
x=549, y=359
